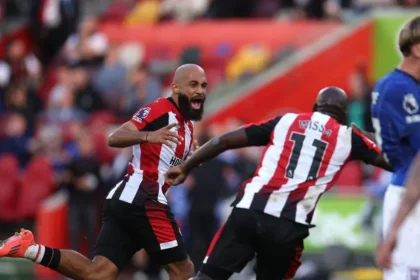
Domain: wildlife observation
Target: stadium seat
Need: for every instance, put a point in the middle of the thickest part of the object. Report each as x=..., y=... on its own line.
x=9, y=166
x=37, y=185
x=9, y=183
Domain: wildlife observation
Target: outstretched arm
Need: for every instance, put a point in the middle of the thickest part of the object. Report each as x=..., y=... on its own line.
x=364, y=148
x=214, y=147
x=249, y=135
x=126, y=135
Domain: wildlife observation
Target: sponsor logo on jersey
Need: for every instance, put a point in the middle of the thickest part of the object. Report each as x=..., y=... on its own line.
x=175, y=161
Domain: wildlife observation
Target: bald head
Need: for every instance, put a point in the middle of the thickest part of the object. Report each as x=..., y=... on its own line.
x=189, y=89
x=185, y=71
x=332, y=101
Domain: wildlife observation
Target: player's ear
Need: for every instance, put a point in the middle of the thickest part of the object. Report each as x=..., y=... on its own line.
x=175, y=88
x=415, y=50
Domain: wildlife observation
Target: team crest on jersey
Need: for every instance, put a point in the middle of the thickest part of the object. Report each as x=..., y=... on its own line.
x=410, y=104
x=141, y=114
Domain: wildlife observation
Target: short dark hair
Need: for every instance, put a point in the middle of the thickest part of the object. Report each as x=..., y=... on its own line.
x=409, y=36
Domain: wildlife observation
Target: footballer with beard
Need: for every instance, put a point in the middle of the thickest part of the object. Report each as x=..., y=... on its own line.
x=136, y=214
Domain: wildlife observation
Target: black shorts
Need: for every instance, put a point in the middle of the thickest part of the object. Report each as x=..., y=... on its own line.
x=277, y=243
x=128, y=228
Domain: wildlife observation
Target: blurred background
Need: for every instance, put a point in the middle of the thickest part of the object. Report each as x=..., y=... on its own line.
x=73, y=70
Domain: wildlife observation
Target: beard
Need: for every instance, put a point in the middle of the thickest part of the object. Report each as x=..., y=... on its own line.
x=186, y=109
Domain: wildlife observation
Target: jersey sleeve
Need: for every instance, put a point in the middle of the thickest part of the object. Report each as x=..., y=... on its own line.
x=415, y=140
x=259, y=134
x=147, y=114
x=362, y=148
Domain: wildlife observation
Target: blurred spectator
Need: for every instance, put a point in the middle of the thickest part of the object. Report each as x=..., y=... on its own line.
x=86, y=98
x=88, y=45
x=110, y=78
x=21, y=99
x=48, y=142
x=72, y=132
x=18, y=66
x=266, y=8
x=249, y=61
x=142, y=88
x=15, y=138
x=83, y=181
x=64, y=110
x=131, y=54
x=359, y=105
x=64, y=83
x=314, y=9
x=50, y=24
x=231, y=8
x=146, y=11
x=184, y=10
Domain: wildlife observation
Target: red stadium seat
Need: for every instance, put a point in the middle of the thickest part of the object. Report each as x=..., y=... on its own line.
x=9, y=187
x=37, y=184
x=9, y=166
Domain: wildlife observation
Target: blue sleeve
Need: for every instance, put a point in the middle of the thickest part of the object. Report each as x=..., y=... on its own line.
x=401, y=105
x=415, y=140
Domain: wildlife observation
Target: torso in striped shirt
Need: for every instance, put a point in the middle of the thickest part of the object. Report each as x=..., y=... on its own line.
x=304, y=156
x=150, y=162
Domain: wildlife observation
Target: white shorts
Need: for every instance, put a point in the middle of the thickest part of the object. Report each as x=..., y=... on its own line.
x=406, y=256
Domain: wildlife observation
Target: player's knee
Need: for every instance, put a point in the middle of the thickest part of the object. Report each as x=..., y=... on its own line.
x=101, y=269
x=180, y=270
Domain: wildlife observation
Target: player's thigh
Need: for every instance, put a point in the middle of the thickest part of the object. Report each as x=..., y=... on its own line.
x=279, y=263
x=278, y=247
x=232, y=247
x=162, y=238
x=114, y=242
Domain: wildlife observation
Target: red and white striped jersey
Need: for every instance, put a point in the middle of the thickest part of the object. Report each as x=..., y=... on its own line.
x=304, y=156
x=150, y=162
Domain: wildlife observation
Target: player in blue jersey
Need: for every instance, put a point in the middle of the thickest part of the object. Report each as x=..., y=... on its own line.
x=396, y=119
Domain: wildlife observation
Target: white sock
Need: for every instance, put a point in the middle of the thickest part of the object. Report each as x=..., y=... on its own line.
x=35, y=253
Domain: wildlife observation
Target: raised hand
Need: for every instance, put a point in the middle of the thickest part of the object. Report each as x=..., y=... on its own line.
x=164, y=136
